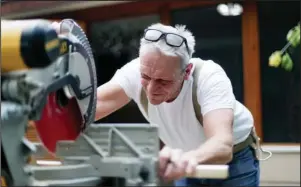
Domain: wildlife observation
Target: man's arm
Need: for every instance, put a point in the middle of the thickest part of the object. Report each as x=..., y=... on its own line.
x=118, y=92
x=217, y=103
x=110, y=97
x=216, y=150
x=218, y=130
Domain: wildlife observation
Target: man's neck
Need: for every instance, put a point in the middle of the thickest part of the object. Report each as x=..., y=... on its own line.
x=176, y=93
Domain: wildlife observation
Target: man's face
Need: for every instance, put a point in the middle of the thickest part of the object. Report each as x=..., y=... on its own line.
x=161, y=76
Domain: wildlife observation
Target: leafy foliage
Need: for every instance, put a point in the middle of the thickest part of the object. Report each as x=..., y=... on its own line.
x=282, y=57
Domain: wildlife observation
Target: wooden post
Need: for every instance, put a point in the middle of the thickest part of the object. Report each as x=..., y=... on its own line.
x=251, y=63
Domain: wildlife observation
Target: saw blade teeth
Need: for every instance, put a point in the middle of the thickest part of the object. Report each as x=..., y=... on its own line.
x=79, y=33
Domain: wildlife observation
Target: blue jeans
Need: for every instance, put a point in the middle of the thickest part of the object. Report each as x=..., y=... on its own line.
x=243, y=171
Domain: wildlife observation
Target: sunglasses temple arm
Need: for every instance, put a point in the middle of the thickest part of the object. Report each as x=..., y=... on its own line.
x=187, y=47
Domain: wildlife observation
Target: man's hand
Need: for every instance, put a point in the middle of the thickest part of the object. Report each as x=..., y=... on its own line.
x=175, y=164
x=56, y=26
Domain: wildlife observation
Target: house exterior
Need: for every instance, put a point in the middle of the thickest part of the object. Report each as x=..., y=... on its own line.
x=242, y=45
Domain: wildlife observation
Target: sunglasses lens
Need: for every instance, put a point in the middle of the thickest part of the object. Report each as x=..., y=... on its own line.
x=174, y=40
x=171, y=39
x=152, y=35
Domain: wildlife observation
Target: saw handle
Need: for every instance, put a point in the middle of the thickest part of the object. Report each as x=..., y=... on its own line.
x=211, y=172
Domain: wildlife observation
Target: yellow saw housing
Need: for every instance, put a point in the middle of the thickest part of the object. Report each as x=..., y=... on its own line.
x=27, y=44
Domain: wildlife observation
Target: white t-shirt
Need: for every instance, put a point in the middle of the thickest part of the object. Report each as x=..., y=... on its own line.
x=177, y=123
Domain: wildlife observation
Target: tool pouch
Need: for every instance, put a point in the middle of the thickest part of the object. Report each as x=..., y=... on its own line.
x=257, y=147
x=256, y=143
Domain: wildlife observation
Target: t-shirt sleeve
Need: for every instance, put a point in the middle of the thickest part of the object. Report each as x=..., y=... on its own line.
x=215, y=92
x=128, y=78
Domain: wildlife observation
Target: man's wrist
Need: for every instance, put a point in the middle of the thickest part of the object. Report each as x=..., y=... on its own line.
x=193, y=154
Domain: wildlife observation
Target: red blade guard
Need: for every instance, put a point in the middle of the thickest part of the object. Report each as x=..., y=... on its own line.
x=59, y=122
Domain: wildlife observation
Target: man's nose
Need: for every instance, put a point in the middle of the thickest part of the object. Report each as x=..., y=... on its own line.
x=153, y=86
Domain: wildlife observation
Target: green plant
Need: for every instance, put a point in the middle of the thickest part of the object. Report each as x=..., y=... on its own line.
x=282, y=57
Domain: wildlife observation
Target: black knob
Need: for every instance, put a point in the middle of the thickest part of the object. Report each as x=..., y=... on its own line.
x=144, y=173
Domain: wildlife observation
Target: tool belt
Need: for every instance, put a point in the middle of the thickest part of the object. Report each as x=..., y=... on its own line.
x=252, y=140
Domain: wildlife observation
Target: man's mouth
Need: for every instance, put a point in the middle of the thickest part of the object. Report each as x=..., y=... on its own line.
x=156, y=94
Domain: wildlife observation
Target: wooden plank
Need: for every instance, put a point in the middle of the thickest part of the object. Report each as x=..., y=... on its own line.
x=23, y=6
x=31, y=133
x=251, y=63
x=164, y=12
x=180, y=4
x=26, y=9
x=132, y=9
x=282, y=144
x=3, y=182
x=144, y=7
x=97, y=14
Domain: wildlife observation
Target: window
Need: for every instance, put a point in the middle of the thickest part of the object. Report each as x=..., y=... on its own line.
x=218, y=38
x=115, y=43
x=281, y=93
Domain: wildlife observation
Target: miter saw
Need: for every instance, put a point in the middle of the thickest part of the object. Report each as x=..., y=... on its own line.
x=50, y=79
x=47, y=78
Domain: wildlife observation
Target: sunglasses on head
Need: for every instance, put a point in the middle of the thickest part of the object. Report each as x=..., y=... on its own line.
x=171, y=39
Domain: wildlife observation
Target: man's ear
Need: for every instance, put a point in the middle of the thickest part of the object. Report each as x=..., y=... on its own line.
x=188, y=71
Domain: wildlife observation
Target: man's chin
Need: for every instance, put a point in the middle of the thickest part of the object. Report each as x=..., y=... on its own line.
x=155, y=102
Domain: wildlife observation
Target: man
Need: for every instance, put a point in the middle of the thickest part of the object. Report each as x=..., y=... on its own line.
x=163, y=72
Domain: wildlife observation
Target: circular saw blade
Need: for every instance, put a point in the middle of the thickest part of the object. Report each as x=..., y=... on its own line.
x=65, y=122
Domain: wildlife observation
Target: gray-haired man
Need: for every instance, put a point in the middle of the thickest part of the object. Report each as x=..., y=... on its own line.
x=164, y=73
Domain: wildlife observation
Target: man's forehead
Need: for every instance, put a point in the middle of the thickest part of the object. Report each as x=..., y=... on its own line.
x=158, y=73
x=159, y=60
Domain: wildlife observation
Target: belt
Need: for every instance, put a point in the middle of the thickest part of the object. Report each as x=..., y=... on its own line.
x=242, y=145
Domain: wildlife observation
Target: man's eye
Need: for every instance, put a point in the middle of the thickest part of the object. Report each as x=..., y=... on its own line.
x=165, y=82
x=145, y=77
